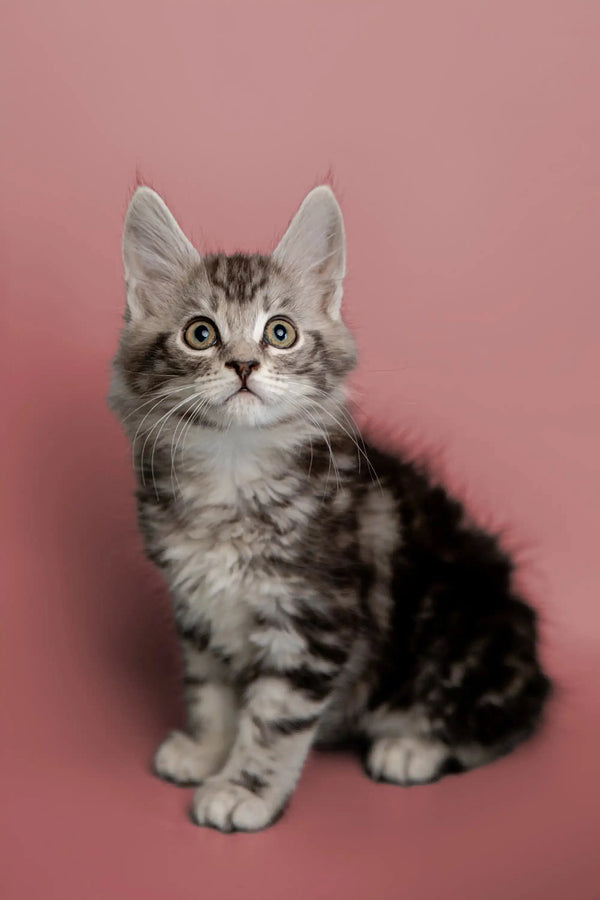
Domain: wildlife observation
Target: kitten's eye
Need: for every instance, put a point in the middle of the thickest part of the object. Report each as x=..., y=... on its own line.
x=201, y=334
x=280, y=333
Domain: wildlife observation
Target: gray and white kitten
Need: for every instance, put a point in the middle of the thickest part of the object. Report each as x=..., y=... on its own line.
x=324, y=591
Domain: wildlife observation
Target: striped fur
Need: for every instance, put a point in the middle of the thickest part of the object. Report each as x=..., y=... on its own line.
x=324, y=591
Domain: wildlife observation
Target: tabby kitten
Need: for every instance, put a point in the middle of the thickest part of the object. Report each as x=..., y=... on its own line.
x=324, y=591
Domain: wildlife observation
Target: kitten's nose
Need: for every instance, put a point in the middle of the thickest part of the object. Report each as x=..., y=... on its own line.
x=243, y=368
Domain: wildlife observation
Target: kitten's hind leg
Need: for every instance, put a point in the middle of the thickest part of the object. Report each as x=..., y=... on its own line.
x=406, y=760
x=419, y=759
x=400, y=748
x=469, y=707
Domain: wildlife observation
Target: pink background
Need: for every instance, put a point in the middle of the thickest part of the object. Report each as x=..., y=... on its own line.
x=464, y=141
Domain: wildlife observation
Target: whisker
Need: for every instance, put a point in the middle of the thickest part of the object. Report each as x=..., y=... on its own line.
x=354, y=441
x=323, y=433
x=163, y=395
x=202, y=403
x=156, y=424
x=173, y=449
x=135, y=437
x=166, y=419
x=153, y=376
x=346, y=417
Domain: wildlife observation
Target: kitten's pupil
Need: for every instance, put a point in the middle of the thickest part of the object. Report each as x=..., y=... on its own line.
x=201, y=333
x=280, y=332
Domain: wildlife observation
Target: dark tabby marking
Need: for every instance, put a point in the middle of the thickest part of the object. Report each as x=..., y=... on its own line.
x=290, y=726
x=250, y=781
x=325, y=591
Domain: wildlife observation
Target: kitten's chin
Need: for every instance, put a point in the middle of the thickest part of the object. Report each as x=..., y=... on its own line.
x=249, y=410
x=243, y=403
x=246, y=408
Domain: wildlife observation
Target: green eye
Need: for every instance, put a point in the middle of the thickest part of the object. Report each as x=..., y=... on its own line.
x=280, y=333
x=201, y=334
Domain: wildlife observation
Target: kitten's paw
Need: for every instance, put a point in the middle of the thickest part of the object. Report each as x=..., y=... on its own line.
x=228, y=806
x=184, y=761
x=405, y=760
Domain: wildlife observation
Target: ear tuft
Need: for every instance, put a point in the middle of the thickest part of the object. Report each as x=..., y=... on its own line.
x=315, y=244
x=155, y=248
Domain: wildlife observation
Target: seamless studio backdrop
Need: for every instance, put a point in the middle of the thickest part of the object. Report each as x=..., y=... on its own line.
x=463, y=141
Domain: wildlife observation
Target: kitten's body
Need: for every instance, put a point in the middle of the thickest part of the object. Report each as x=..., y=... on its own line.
x=323, y=591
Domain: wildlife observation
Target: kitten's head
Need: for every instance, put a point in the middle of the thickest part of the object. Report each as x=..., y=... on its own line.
x=244, y=340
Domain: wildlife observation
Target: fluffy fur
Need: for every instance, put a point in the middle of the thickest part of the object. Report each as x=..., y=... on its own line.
x=324, y=591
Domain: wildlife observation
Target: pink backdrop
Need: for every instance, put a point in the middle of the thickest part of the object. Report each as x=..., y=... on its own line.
x=464, y=141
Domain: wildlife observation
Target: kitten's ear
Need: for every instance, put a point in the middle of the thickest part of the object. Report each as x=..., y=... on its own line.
x=315, y=244
x=156, y=252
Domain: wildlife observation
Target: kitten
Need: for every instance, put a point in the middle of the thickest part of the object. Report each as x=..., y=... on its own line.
x=324, y=591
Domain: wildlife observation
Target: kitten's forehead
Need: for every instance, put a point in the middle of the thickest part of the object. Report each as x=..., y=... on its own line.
x=241, y=278
x=238, y=289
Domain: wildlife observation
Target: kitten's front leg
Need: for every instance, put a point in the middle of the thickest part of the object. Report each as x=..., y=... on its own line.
x=276, y=727
x=189, y=758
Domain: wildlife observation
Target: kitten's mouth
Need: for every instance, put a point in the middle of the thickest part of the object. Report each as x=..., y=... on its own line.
x=244, y=390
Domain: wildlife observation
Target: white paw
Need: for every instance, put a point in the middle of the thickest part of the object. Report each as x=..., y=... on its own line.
x=185, y=761
x=230, y=807
x=405, y=760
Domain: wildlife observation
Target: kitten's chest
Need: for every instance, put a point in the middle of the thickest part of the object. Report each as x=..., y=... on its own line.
x=217, y=587
x=226, y=557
